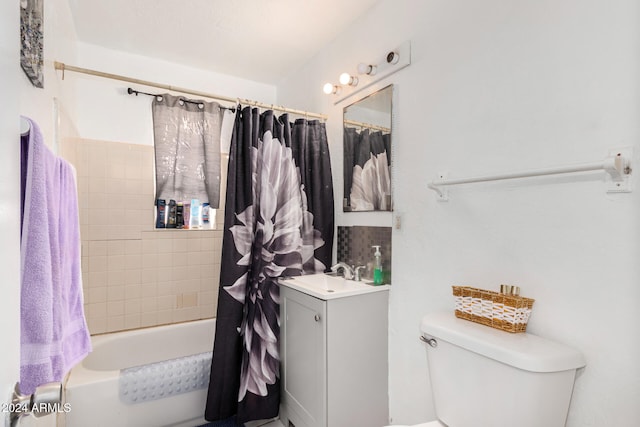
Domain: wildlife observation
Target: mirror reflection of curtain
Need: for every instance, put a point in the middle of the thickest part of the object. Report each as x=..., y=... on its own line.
x=367, y=183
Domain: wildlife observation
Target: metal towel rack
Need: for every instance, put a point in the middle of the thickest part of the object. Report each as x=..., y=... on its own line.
x=617, y=165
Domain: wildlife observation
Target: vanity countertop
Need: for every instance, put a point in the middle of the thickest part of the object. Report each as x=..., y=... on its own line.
x=327, y=287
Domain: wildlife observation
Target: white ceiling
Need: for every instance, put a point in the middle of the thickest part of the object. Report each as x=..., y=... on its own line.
x=261, y=40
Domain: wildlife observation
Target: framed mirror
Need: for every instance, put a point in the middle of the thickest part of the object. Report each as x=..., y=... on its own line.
x=367, y=153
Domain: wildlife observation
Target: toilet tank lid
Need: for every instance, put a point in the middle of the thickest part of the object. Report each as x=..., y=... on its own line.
x=521, y=350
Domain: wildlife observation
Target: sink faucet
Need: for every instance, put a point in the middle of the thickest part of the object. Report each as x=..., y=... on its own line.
x=357, y=274
x=347, y=270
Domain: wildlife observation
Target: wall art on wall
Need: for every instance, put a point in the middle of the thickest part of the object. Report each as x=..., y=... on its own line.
x=31, y=40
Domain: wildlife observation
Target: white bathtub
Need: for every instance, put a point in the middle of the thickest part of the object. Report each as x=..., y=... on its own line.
x=93, y=387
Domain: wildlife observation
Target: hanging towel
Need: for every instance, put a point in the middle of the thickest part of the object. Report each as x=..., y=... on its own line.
x=54, y=333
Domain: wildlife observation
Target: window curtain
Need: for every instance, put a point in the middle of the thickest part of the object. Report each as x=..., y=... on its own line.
x=367, y=183
x=187, y=149
x=279, y=221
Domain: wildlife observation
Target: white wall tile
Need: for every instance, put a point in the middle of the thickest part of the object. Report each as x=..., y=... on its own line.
x=134, y=275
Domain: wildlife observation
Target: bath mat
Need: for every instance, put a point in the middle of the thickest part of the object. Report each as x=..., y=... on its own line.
x=164, y=379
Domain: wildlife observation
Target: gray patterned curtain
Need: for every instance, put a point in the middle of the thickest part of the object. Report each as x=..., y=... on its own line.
x=186, y=137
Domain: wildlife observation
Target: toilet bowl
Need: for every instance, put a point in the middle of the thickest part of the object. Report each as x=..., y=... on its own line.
x=475, y=372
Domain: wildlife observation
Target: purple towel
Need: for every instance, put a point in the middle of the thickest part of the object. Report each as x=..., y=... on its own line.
x=54, y=334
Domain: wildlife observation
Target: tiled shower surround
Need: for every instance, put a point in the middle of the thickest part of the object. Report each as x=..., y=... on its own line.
x=134, y=275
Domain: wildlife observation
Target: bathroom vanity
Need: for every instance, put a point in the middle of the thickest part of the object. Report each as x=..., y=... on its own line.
x=333, y=342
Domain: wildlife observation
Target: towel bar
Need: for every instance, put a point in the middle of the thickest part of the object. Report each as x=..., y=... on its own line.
x=617, y=165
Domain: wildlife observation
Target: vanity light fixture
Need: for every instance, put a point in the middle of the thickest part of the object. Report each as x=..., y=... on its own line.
x=367, y=69
x=393, y=58
x=370, y=71
x=348, y=79
x=330, y=88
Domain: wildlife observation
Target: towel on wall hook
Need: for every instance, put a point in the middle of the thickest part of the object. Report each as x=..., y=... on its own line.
x=53, y=329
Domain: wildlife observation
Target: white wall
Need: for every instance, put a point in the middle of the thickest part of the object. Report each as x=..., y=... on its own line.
x=303, y=89
x=106, y=112
x=9, y=202
x=52, y=107
x=499, y=86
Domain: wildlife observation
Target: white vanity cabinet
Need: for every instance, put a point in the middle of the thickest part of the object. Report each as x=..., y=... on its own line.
x=334, y=358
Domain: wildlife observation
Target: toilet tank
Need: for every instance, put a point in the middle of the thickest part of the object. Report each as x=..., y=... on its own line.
x=484, y=377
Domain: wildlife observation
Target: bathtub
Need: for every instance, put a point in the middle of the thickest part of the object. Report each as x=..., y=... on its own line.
x=94, y=388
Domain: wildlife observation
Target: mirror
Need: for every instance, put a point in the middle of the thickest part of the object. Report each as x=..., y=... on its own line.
x=367, y=153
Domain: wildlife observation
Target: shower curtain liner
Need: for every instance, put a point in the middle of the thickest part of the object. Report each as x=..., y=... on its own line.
x=279, y=220
x=367, y=184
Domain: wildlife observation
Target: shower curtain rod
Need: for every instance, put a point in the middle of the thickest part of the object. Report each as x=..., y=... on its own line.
x=131, y=91
x=366, y=125
x=65, y=67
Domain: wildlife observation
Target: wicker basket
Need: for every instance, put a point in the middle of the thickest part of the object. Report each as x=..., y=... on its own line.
x=506, y=312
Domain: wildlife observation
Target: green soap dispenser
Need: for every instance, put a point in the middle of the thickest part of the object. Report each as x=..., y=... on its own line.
x=377, y=266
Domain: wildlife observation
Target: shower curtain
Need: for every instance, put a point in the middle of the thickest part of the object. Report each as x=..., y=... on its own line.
x=367, y=177
x=279, y=220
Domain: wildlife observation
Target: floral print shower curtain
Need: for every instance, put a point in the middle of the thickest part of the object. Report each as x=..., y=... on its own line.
x=279, y=221
x=367, y=176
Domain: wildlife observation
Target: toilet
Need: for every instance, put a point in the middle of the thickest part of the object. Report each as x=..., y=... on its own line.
x=484, y=377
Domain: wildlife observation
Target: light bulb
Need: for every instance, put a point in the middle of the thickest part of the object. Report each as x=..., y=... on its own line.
x=367, y=69
x=327, y=88
x=330, y=88
x=348, y=79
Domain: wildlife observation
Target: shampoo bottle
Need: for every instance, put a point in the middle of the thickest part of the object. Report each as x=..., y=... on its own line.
x=160, y=220
x=377, y=266
x=180, y=215
x=173, y=212
x=196, y=217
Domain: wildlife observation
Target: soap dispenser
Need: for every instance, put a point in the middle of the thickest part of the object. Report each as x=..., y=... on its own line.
x=377, y=266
